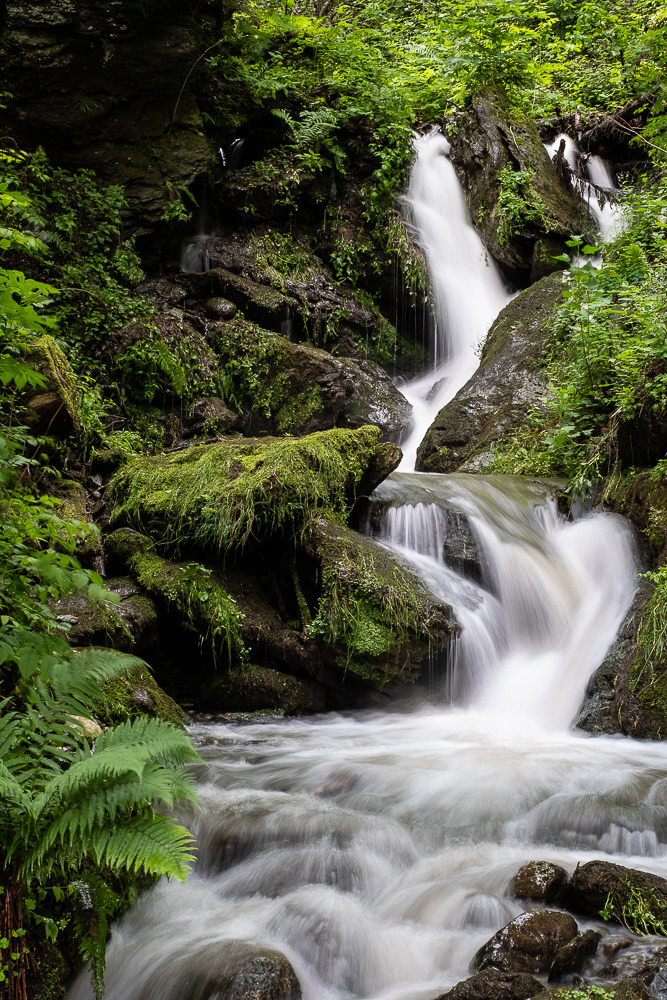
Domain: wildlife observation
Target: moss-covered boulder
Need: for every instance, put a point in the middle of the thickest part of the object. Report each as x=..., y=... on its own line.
x=636, y=899
x=53, y=408
x=216, y=496
x=514, y=215
x=136, y=692
x=130, y=625
x=288, y=388
x=509, y=383
x=253, y=689
x=75, y=508
x=374, y=614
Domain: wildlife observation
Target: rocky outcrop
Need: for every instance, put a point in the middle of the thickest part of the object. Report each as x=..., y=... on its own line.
x=541, y=881
x=634, y=898
x=492, y=984
x=135, y=692
x=298, y=389
x=129, y=626
x=625, y=694
x=529, y=943
x=492, y=138
x=97, y=84
x=253, y=689
x=507, y=386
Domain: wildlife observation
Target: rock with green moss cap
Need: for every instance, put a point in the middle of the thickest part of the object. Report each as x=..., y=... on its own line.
x=131, y=625
x=55, y=406
x=253, y=688
x=136, y=692
x=492, y=142
x=374, y=614
x=216, y=496
x=508, y=385
x=75, y=510
x=288, y=388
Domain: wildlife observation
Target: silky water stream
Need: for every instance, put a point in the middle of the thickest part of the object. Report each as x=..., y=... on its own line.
x=374, y=849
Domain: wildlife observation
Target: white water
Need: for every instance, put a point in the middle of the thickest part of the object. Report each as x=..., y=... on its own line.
x=468, y=289
x=375, y=850
x=609, y=217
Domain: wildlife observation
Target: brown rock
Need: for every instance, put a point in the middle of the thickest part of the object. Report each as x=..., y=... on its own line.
x=219, y=308
x=600, y=885
x=541, y=881
x=528, y=943
x=265, y=977
x=495, y=985
x=572, y=957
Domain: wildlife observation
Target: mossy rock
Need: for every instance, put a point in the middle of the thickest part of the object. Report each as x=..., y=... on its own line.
x=478, y=424
x=55, y=407
x=641, y=496
x=136, y=692
x=74, y=508
x=216, y=496
x=289, y=388
x=636, y=899
x=130, y=625
x=373, y=612
x=256, y=688
x=493, y=137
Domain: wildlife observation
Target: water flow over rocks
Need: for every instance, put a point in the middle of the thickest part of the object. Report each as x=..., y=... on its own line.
x=468, y=288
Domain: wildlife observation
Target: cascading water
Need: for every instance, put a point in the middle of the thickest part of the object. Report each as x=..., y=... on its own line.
x=609, y=216
x=374, y=850
x=468, y=289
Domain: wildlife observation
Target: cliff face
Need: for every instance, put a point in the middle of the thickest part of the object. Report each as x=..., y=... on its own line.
x=96, y=84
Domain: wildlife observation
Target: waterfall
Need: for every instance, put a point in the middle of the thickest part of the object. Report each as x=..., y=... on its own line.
x=550, y=600
x=609, y=217
x=468, y=289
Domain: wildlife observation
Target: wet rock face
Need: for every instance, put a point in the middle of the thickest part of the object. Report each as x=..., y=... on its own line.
x=492, y=984
x=96, y=84
x=507, y=385
x=528, y=943
x=492, y=138
x=573, y=956
x=601, y=885
x=265, y=977
x=256, y=688
x=540, y=881
x=129, y=626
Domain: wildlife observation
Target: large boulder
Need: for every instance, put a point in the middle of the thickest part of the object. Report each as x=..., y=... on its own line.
x=508, y=385
x=492, y=984
x=289, y=388
x=217, y=496
x=490, y=140
x=129, y=626
x=625, y=895
x=529, y=943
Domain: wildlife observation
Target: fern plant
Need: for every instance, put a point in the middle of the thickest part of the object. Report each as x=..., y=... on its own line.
x=72, y=794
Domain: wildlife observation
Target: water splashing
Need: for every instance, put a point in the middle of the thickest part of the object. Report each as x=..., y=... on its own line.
x=609, y=216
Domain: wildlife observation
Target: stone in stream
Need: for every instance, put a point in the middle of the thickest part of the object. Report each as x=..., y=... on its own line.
x=573, y=956
x=492, y=984
x=528, y=943
x=540, y=881
x=620, y=891
x=263, y=977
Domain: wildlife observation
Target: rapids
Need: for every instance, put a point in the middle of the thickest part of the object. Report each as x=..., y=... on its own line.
x=374, y=848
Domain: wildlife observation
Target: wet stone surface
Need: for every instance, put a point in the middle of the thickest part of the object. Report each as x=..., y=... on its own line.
x=528, y=943
x=541, y=881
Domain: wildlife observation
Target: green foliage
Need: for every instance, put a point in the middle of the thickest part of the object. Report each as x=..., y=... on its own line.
x=637, y=907
x=219, y=495
x=515, y=207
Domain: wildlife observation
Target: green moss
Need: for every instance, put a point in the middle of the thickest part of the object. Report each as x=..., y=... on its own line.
x=641, y=496
x=260, y=688
x=135, y=693
x=219, y=495
x=298, y=410
x=521, y=454
x=648, y=674
x=372, y=607
x=46, y=357
x=193, y=590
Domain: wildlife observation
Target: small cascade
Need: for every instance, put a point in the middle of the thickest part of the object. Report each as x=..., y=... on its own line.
x=468, y=289
x=609, y=216
x=549, y=598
